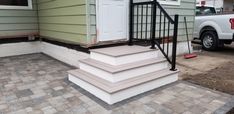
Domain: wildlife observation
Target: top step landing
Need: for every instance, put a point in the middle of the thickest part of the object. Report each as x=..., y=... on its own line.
x=122, y=50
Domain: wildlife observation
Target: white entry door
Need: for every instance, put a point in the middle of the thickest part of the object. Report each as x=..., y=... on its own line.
x=112, y=19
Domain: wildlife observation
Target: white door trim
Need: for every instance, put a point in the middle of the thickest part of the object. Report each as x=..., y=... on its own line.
x=98, y=20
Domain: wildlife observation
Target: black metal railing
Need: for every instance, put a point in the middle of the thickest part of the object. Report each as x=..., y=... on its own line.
x=150, y=23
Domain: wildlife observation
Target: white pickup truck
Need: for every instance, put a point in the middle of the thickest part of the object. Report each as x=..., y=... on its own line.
x=214, y=30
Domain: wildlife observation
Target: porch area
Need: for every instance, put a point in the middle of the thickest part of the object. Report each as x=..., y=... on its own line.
x=38, y=84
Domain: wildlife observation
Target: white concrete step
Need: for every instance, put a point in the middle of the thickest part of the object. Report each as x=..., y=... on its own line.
x=114, y=92
x=122, y=72
x=123, y=54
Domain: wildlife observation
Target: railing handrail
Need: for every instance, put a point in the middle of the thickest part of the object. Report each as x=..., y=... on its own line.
x=159, y=6
x=153, y=5
x=164, y=12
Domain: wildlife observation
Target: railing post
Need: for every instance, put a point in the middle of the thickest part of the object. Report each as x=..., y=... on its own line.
x=131, y=23
x=153, y=25
x=174, y=45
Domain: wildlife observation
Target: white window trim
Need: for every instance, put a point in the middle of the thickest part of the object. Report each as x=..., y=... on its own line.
x=17, y=7
x=176, y=3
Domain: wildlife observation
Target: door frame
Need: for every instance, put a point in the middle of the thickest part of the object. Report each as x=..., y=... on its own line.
x=98, y=22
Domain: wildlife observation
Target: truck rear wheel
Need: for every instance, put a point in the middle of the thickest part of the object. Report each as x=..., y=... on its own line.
x=209, y=41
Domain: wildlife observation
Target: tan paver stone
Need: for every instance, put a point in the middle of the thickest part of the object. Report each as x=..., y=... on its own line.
x=3, y=106
x=38, y=84
x=58, y=88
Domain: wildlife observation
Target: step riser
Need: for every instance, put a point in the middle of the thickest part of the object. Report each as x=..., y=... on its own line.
x=124, y=59
x=124, y=94
x=90, y=88
x=120, y=76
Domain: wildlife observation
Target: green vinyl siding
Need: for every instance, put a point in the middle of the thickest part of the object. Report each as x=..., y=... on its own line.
x=18, y=22
x=74, y=21
x=63, y=20
x=185, y=9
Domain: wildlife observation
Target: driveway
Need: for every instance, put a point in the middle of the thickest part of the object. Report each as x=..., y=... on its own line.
x=37, y=84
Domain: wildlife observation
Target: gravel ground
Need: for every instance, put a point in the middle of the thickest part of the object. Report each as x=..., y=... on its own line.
x=214, y=70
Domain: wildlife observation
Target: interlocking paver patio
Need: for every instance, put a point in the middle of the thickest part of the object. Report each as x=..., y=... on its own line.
x=38, y=84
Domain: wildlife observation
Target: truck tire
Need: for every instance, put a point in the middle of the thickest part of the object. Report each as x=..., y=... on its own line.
x=209, y=41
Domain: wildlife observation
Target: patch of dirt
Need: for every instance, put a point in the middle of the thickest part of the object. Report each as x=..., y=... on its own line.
x=231, y=111
x=214, y=70
x=221, y=78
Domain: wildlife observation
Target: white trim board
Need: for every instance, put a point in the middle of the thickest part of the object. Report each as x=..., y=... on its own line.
x=164, y=2
x=66, y=55
x=17, y=7
x=123, y=94
x=182, y=48
x=61, y=53
x=170, y=2
x=13, y=49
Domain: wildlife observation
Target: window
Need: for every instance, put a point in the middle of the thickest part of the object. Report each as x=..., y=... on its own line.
x=170, y=2
x=205, y=11
x=15, y=4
